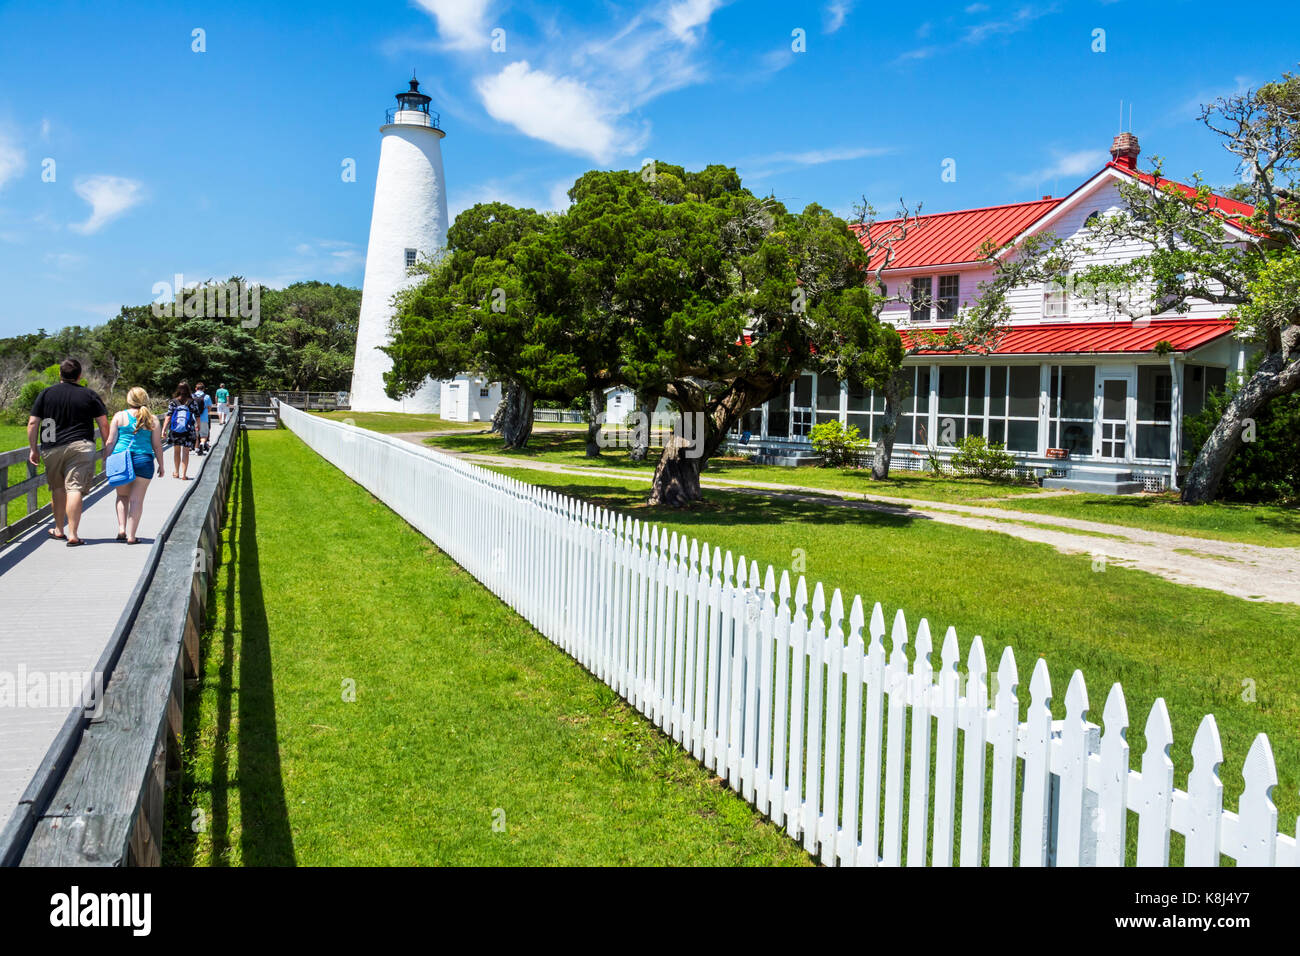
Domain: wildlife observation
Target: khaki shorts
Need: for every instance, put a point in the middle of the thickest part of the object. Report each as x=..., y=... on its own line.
x=70, y=467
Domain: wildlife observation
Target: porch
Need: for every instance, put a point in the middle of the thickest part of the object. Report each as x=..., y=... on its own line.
x=1065, y=417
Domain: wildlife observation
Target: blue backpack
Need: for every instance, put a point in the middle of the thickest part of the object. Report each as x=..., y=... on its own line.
x=181, y=420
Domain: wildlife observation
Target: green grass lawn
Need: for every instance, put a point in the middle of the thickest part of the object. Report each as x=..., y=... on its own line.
x=11, y=437
x=464, y=716
x=389, y=422
x=1269, y=525
x=1199, y=649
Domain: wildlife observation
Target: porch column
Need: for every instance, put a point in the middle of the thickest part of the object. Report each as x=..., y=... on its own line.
x=1175, y=423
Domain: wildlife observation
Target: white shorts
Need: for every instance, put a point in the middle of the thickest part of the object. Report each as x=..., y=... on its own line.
x=222, y=408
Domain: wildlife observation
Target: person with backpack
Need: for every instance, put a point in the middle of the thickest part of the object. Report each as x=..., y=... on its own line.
x=205, y=409
x=134, y=431
x=181, y=429
x=223, y=404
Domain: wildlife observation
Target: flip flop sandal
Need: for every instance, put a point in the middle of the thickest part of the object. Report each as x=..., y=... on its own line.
x=121, y=536
x=74, y=543
x=56, y=536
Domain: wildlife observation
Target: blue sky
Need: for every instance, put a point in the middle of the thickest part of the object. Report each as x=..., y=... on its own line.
x=228, y=161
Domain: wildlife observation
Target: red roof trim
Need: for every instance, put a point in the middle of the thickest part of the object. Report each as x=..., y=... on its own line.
x=1088, y=338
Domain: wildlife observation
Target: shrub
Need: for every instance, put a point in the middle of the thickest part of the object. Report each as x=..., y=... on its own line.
x=1264, y=470
x=977, y=458
x=836, y=444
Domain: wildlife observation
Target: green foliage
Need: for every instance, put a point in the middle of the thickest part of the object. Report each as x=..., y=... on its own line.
x=476, y=312
x=304, y=340
x=1264, y=470
x=839, y=446
x=976, y=457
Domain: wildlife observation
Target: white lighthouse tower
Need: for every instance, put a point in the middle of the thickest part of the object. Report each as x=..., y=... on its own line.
x=409, y=222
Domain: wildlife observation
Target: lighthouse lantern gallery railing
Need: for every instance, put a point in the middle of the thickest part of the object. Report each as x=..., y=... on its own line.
x=855, y=747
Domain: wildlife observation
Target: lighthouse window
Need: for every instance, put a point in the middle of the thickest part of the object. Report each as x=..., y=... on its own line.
x=410, y=258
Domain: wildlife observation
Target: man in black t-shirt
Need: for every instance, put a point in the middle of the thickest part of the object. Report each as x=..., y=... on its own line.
x=63, y=419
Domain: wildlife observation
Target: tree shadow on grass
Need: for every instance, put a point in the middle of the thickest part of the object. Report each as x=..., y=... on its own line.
x=265, y=835
x=744, y=508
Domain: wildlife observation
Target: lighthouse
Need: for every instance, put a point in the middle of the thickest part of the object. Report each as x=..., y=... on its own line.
x=408, y=223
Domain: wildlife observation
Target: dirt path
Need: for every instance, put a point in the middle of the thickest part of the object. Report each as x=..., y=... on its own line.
x=1242, y=570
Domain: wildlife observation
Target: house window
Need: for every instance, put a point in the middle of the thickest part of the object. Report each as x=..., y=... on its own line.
x=1056, y=300
x=1071, y=409
x=484, y=392
x=778, y=415
x=828, y=399
x=920, y=298
x=961, y=402
x=914, y=410
x=1094, y=217
x=1155, y=404
x=410, y=258
x=1013, y=407
x=949, y=290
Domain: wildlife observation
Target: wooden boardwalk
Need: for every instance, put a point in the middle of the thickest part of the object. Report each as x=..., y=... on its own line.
x=58, y=609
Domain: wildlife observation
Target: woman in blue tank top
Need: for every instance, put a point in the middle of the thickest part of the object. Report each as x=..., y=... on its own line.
x=135, y=429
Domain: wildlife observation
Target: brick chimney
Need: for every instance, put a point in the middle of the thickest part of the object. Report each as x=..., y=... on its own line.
x=1124, y=150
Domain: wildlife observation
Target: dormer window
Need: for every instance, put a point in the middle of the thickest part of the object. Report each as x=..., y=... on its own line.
x=920, y=298
x=1056, y=300
x=949, y=294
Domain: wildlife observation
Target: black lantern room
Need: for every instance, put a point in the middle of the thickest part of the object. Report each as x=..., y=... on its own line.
x=413, y=101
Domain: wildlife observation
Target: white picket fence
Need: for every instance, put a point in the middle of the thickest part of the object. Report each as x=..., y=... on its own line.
x=849, y=746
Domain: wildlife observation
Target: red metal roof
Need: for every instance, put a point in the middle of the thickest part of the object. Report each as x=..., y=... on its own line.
x=1228, y=208
x=1060, y=338
x=950, y=238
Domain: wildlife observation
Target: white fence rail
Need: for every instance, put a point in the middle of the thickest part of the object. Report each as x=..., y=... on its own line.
x=798, y=704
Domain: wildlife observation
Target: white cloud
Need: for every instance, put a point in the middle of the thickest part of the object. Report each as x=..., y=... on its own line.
x=683, y=17
x=63, y=260
x=580, y=89
x=541, y=198
x=556, y=109
x=835, y=14
x=109, y=197
x=329, y=260
x=977, y=33
x=1081, y=162
x=764, y=166
x=12, y=160
x=462, y=24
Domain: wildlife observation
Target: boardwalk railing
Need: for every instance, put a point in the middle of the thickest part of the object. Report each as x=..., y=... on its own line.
x=798, y=704
x=312, y=401
x=97, y=797
x=28, y=488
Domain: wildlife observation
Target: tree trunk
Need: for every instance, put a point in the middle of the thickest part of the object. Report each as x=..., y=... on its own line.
x=1275, y=376
x=639, y=437
x=696, y=438
x=516, y=416
x=595, y=418
x=885, y=447
x=677, y=476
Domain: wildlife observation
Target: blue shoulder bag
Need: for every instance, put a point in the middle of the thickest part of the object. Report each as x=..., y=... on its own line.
x=119, y=468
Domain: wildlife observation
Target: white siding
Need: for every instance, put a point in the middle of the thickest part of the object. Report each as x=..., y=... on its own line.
x=1027, y=302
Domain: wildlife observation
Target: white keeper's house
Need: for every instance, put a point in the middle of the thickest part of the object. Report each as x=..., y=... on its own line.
x=1076, y=394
